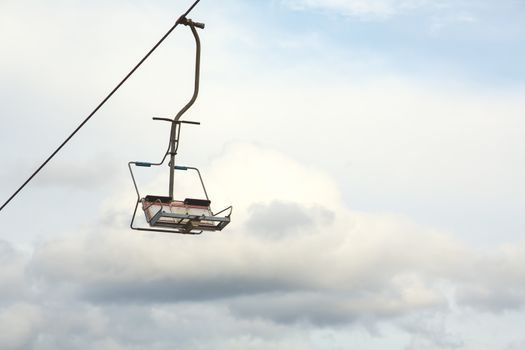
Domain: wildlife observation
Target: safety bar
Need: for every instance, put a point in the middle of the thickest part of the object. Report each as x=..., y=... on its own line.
x=176, y=167
x=200, y=178
x=140, y=164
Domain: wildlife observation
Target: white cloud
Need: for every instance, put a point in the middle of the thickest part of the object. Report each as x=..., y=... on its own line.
x=378, y=9
x=19, y=324
x=367, y=264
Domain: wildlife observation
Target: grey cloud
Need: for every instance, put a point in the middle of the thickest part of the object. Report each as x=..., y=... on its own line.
x=278, y=218
x=71, y=174
x=13, y=282
x=171, y=290
x=325, y=307
x=338, y=277
x=516, y=345
x=321, y=309
x=7, y=252
x=428, y=330
x=491, y=297
x=329, y=276
x=494, y=281
x=120, y=291
x=80, y=175
x=68, y=324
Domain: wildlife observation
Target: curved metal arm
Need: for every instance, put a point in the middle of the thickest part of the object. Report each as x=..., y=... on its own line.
x=197, y=79
x=174, y=139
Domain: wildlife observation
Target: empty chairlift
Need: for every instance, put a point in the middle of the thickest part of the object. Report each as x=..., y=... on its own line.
x=183, y=215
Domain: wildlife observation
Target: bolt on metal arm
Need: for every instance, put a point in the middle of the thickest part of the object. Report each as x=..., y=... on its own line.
x=175, y=126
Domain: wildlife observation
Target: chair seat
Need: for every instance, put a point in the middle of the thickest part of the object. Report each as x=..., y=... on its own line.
x=187, y=215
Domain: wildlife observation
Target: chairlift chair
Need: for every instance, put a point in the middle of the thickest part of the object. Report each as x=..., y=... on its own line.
x=164, y=213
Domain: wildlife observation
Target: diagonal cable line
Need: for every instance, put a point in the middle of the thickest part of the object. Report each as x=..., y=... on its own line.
x=100, y=105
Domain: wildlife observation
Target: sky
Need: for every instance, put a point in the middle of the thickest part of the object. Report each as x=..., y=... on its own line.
x=372, y=151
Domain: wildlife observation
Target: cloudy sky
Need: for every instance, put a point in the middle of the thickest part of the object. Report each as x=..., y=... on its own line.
x=372, y=150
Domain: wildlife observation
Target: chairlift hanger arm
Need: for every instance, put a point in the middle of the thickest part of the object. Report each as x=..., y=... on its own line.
x=175, y=126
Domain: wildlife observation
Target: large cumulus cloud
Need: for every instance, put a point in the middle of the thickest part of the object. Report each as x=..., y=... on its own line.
x=318, y=264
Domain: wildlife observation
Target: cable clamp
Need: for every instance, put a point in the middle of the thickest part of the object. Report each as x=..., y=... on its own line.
x=188, y=22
